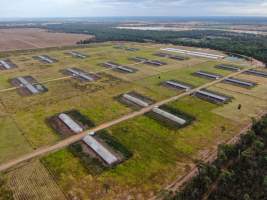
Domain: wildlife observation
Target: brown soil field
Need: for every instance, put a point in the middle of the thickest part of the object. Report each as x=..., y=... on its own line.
x=32, y=38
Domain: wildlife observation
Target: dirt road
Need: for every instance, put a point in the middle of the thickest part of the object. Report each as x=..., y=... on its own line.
x=75, y=138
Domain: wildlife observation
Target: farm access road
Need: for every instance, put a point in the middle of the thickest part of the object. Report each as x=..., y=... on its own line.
x=66, y=142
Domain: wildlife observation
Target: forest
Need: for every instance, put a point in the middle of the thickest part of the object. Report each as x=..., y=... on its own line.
x=239, y=173
x=250, y=45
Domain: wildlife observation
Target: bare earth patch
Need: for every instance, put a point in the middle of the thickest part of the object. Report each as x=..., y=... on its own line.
x=31, y=38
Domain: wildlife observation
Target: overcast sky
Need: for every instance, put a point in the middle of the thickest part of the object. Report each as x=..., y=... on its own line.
x=88, y=8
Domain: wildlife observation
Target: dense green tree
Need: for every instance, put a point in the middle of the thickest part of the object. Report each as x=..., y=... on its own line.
x=241, y=176
x=250, y=45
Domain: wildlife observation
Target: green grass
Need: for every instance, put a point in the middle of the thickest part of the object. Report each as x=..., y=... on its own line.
x=251, y=105
x=94, y=100
x=182, y=73
x=159, y=153
x=12, y=142
x=71, y=165
x=260, y=91
x=99, y=108
x=3, y=82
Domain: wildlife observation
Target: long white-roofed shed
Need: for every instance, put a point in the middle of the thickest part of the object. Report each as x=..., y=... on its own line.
x=135, y=100
x=169, y=116
x=106, y=155
x=70, y=123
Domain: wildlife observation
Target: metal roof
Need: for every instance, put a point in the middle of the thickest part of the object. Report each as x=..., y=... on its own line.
x=5, y=64
x=46, y=59
x=212, y=95
x=100, y=149
x=141, y=59
x=169, y=116
x=194, y=53
x=155, y=62
x=70, y=123
x=215, y=76
x=257, y=72
x=80, y=74
x=166, y=55
x=126, y=69
x=178, y=85
x=112, y=65
x=119, y=67
x=135, y=100
x=228, y=67
x=27, y=85
x=240, y=82
x=77, y=54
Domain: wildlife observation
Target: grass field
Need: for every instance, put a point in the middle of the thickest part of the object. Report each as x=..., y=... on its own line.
x=253, y=101
x=160, y=154
x=13, y=143
x=70, y=94
x=251, y=106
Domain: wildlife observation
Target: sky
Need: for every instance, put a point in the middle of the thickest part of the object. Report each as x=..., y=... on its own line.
x=96, y=8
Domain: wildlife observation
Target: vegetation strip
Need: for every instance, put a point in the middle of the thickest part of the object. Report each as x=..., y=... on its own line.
x=250, y=45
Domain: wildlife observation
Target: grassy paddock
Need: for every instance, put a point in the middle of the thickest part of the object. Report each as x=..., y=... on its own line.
x=156, y=154
x=159, y=153
x=251, y=106
x=12, y=142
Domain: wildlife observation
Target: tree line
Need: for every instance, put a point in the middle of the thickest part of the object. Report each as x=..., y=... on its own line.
x=250, y=45
x=239, y=173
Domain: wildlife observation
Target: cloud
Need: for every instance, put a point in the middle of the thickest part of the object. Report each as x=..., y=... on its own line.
x=83, y=8
x=257, y=8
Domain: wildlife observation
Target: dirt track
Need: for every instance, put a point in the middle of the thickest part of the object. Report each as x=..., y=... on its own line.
x=75, y=138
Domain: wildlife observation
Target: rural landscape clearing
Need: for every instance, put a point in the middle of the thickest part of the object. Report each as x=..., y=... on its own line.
x=179, y=106
x=133, y=100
